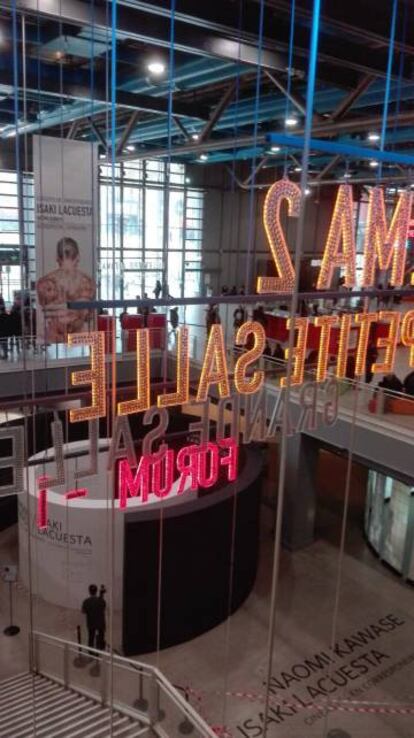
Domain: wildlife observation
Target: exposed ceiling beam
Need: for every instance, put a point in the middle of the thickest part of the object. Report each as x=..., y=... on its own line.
x=349, y=99
x=140, y=25
x=328, y=167
x=218, y=112
x=297, y=100
x=99, y=94
x=73, y=129
x=180, y=125
x=330, y=128
x=127, y=131
x=97, y=132
x=347, y=27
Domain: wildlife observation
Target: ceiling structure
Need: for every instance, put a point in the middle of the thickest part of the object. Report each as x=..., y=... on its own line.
x=223, y=90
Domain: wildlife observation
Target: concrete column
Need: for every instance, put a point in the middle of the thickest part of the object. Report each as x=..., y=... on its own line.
x=300, y=492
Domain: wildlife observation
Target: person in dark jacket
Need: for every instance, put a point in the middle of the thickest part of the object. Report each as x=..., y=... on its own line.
x=15, y=322
x=371, y=357
x=4, y=333
x=94, y=609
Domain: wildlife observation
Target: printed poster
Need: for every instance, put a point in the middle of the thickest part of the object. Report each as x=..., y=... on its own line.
x=65, y=187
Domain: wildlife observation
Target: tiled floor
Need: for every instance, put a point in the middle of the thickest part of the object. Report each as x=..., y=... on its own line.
x=232, y=658
x=371, y=673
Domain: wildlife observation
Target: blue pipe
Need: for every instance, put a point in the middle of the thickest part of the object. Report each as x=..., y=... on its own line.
x=336, y=147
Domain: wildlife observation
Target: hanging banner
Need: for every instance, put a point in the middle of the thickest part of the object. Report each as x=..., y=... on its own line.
x=65, y=187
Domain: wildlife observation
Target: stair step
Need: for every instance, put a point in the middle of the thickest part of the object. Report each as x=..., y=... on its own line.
x=53, y=727
x=18, y=702
x=71, y=721
x=133, y=731
x=49, y=705
x=119, y=721
x=16, y=688
x=58, y=712
x=16, y=678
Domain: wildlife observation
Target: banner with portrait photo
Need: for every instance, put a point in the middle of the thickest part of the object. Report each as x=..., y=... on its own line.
x=65, y=187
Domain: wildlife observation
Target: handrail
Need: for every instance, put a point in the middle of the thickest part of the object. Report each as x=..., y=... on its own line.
x=145, y=669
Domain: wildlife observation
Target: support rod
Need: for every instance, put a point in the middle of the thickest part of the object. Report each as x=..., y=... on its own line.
x=235, y=299
x=329, y=166
x=182, y=128
x=127, y=131
x=73, y=129
x=217, y=112
x=348, y=101
x=294, y=97
x=97, y=133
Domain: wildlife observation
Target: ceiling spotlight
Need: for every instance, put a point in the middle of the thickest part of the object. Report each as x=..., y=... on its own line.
x=195, y=136
x=188, y=180
x=275, y=149
x=297, y=169
x=130, y=147
x=307, y=191
x=347, y=175
x=291, y=121
x=102, y=156
x=373, y=136
x=156, y=67
x=373, y=164
x=203, y=157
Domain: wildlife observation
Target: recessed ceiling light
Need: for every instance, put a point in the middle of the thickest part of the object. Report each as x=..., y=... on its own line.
x=130, y=147
x=373, y=164
x=291, y=121
x=347, y=175
x=156, y=67
x=203, y=157
x=307, y=191
x=102, y=156
x=297, y=169
x=195, y=136
x=188, y=180
x=275, y=149
x=373, y=136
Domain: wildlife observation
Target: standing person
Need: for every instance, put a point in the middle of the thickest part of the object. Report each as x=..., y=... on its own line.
x=15, y=325
x=157, y=289
x=94, y=609
x=259, y=316
x=239, y=316
x=4, y=333
x=371, y=357
x=174, y=318
x=212, y=317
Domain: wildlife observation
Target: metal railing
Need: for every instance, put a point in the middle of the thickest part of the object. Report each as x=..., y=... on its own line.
x=137, y=689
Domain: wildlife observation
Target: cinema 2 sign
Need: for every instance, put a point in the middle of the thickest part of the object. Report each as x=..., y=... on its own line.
x=199, y=465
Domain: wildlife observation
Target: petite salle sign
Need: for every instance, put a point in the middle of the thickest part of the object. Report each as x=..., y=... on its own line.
x=385, y=248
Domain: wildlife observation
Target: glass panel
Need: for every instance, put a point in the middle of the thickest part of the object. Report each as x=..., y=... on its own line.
x=175, y=243
x=154, y=219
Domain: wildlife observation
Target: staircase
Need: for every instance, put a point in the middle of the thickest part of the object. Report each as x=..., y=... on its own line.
x=34, y=705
